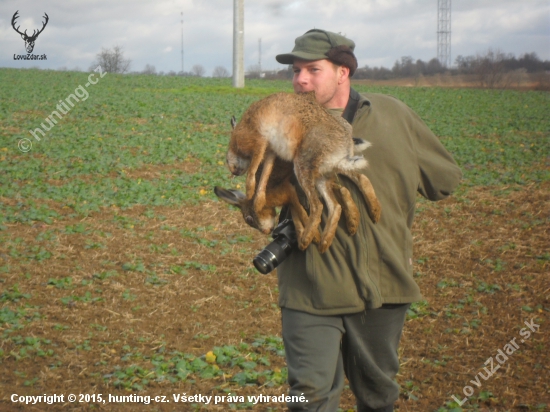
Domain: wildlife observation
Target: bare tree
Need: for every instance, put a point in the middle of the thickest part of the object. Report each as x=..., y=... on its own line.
x=253, y=71
x=198, y=70
x=220, y=71
x=112, y=61
x=149, y=69
x=490, y=69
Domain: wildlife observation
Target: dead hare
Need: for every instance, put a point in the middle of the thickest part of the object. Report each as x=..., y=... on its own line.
x=295, y=128
x=279, y=193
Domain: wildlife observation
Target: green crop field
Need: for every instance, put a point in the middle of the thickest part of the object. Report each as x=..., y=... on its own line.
x=120, y=273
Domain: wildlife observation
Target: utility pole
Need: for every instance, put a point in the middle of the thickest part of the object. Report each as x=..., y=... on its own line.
x=444, y=32
x=260, y=56
x=182, y=43
x=238, y=43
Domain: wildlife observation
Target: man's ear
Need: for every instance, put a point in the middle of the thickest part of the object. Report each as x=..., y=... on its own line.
x=343, y=74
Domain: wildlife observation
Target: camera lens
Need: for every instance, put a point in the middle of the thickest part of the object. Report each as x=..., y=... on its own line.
x=265, y=262
x=273, y=254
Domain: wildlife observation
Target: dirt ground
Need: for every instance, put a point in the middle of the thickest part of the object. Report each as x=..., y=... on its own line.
x=481, y=260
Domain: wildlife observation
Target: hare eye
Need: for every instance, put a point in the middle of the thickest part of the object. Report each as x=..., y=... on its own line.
x=249, y=220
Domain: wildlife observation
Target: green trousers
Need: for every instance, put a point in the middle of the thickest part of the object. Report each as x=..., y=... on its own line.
x=322, y=350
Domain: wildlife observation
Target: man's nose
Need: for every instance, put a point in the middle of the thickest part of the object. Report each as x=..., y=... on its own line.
x=301, y=78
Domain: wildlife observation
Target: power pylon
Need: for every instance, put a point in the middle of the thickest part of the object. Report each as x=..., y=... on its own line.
x=444, y=32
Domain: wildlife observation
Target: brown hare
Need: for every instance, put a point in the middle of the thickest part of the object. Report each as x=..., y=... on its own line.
x=295, y=128
x=280, y=192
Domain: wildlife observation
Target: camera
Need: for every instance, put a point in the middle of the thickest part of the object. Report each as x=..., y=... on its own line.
x=284, y=240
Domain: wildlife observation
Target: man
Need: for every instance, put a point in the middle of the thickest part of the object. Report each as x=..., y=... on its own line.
x=343, y=311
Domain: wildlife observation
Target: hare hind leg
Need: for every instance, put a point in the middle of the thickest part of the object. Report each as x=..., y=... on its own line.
x=365, y=187
x=311, y=227
x=306, y=179
x=259, y=195
x=351, y=213
x=253, y=168
x=334, y=211
x=299, y=215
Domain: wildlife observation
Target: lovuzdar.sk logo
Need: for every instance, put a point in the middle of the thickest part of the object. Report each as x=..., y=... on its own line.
x=29, y=40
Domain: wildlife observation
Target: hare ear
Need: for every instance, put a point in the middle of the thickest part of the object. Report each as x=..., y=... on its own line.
x=233, y=197
x=233, y=122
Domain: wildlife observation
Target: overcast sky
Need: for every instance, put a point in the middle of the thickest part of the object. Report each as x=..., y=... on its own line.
x=150, y=31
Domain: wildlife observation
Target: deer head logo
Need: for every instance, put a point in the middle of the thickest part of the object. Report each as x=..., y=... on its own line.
x=29, y=40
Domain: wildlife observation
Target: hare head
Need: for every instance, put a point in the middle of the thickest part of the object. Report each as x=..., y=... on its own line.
x=264, y=220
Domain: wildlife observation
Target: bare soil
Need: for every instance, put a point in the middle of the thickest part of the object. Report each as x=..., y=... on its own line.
x=481, y=260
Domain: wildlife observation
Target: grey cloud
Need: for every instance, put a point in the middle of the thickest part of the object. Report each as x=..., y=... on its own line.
x=383, y=30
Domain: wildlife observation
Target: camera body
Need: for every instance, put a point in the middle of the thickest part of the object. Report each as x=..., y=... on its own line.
x=284, y=241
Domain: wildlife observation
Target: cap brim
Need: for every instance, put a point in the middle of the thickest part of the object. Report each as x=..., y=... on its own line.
x=289, y=57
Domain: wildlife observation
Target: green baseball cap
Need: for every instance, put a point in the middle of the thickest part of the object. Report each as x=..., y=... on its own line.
x=314, y=45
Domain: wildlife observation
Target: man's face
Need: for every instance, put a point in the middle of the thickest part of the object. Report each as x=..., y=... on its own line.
x=321, y=76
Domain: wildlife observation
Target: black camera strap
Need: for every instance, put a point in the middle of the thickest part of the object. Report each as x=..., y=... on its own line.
x=352, y=106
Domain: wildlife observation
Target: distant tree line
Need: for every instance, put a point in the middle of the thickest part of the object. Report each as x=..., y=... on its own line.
x=196, y=71
x=508, y=62
x=497, y=69
x=490, y=61
x=407, y=67
x=492, y=68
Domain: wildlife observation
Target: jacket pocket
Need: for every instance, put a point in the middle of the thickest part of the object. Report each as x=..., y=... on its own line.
x=330, y=273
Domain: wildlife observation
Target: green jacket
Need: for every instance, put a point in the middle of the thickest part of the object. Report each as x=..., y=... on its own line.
x=374, y=266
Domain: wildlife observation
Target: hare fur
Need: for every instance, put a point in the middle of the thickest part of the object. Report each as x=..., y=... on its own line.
x=295, y=128
x=279, y=193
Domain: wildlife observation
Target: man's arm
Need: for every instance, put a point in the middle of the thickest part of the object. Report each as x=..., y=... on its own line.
x=439, y=173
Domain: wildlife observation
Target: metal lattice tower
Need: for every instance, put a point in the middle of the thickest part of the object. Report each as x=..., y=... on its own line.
x=444, y=32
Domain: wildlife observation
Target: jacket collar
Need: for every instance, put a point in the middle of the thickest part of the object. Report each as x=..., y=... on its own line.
x=355, y=102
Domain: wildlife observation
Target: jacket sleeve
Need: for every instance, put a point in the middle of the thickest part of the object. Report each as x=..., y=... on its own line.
x=439, y=173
